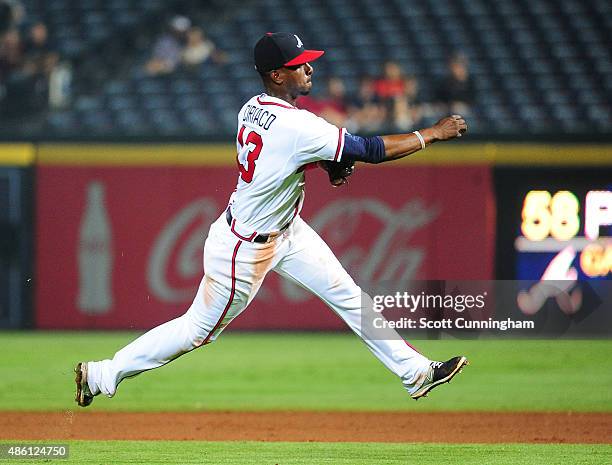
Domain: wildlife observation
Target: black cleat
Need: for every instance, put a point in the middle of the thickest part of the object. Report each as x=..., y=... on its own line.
x=440, y=372
x=83, y=397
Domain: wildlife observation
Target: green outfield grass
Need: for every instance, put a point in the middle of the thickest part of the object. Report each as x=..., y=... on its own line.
x=310, y=371
x=287, y=453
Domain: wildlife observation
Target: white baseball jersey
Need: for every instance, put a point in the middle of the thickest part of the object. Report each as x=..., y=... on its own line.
x=275, y=141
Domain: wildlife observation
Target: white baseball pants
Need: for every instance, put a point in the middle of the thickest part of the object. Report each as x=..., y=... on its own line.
x=234, y=272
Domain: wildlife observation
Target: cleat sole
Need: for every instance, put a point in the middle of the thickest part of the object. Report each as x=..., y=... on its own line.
x=458, y=369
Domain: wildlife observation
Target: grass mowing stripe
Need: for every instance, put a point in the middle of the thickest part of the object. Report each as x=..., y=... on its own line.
x=310, y=372
x=258, y=453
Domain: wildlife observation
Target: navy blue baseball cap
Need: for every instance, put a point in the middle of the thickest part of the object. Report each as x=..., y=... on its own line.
x=278, y=49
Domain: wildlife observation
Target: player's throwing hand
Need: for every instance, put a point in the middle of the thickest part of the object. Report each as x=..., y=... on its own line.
x=450, y=127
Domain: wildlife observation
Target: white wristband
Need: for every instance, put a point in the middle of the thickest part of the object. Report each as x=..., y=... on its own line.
x=421, y=140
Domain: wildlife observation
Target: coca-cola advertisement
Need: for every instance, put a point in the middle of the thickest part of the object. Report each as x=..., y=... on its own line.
x=121, y=247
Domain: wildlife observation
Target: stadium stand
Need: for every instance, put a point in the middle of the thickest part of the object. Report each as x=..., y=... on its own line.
x=537, y=67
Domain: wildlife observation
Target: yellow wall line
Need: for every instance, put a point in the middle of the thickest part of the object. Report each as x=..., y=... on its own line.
x=16, y=154
x=453, y=153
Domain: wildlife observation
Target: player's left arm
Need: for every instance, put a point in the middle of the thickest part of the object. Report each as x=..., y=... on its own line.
x=400, y=145
x=381, y=149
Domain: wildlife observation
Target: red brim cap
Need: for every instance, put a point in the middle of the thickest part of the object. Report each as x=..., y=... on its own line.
x=305, y=57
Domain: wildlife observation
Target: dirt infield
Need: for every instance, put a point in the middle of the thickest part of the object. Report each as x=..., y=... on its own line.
x=456, y=427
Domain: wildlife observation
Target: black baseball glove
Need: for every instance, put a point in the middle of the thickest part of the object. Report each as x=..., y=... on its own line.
x=338, y=171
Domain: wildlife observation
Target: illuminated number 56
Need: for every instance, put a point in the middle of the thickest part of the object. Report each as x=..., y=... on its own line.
x=544, y=215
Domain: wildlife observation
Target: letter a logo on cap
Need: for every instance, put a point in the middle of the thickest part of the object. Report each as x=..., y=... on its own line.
x=299, y=42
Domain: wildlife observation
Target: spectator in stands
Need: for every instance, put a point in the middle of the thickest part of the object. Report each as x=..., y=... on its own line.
x=407, y=107
x=168, y=48
x=39, y=57
x=11, y=53
x=391, y=84
x=310, y=103
x=200, y=49
x=12, y=15
x=390, y=89
x=26, y=70
x=366, y=113
x=11, y=82
x=334, y=107
x=39, y=63
x=456, y=91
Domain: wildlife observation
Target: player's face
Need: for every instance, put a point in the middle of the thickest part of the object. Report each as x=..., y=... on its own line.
x=298, y=79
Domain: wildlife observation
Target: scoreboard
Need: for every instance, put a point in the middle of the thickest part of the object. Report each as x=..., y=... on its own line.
x=554, y=224
x=554, y=248
x=565, y=223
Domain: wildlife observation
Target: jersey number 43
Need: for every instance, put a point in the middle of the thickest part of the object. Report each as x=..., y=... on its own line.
x=246, y=158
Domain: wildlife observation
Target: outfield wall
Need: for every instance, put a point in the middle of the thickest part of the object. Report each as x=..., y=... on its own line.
x=119, y=229
x=129, y=240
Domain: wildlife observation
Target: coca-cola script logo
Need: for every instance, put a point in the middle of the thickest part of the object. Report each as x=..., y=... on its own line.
x=370, y=240
x=369, y=237
x=177, y=252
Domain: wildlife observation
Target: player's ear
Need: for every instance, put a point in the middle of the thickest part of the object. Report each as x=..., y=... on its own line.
x=276, y=76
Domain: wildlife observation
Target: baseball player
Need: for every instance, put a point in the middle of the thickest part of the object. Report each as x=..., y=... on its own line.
x=261, y=230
